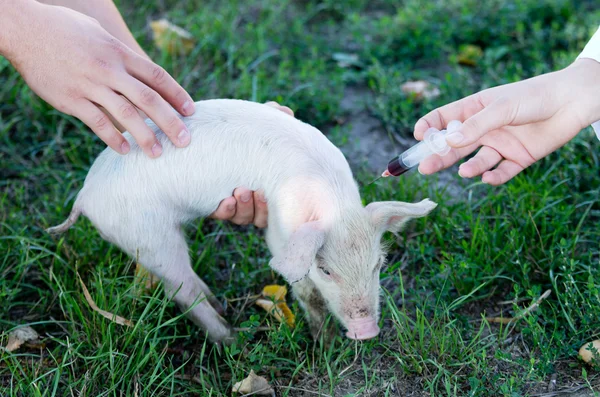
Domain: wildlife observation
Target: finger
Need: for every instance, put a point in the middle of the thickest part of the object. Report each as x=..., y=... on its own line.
x=439, y=118
x=435, y=163
x=126, y=114
x=157, y=110
x=100, y=123
x=498, y=114
x=505, y=171
x=226, y=209
x=160, y=81
x=244, y=213
x=483, y=161
x=261, y=214
x=284, y=109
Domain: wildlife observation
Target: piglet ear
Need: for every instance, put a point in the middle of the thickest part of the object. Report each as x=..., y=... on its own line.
x=297, y=257
x=392, y=215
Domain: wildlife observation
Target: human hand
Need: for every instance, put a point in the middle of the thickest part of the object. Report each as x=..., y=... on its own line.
x=76, y=66
x=245, y=206
x=516, y=124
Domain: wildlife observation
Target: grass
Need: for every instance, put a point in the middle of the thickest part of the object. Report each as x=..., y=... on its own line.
x=485, y=252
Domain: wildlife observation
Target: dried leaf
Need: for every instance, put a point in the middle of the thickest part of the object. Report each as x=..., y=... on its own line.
x=254, y=384
x=19, y=336
x=420, y=89
x=271, y=308
x=469, y=54
x=277, y=292
x=588, y=355
x=275, y=304
x=112, y=317
x=171, y=38
x=145, y=278
x=290, y=318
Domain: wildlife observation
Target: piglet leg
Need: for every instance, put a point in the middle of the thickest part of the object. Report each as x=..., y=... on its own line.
x=169, y=260
x=315, y=308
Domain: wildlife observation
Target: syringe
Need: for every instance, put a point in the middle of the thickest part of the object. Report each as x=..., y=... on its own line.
x=434, y=142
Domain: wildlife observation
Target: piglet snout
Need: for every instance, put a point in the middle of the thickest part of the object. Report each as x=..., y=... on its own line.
x=364, y=328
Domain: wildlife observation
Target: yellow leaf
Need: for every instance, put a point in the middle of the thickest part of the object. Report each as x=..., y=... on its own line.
x=271, y=308
x=275, y=304
x=469, y=54
x=280, y=311
x=290, y=319
x=172, y=38
x=277, y=292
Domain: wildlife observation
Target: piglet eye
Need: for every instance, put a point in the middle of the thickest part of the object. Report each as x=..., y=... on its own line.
x=325, y=271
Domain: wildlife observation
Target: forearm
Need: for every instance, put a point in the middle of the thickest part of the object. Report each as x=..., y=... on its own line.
x=11, y=23
x=590, y=56
x=107, y=14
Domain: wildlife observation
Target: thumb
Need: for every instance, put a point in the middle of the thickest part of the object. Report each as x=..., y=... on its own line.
x=497, y=115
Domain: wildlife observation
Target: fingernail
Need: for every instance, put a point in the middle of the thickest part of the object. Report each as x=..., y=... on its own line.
x=156, y=149
x=188, y=108
x=125, y=147
x=262, y=197
x=246, y=197
x=184, y=137
x=455, y=137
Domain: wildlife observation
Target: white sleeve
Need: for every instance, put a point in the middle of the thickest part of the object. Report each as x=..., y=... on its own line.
x=592, y=51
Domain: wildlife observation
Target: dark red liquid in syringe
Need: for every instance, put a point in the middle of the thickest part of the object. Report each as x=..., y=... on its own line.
x=396, y=168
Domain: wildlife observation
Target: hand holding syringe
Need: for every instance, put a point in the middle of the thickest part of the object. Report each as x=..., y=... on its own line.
x=434, y=142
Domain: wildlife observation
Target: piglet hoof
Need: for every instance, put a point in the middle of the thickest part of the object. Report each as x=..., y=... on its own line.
x=226, y=336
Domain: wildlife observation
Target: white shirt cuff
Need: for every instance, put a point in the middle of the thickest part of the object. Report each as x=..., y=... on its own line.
x=592, y=51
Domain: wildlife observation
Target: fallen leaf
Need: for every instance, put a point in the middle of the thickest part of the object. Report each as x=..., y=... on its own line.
x=254, y=384
x=588, y=355
x=171, y=38
x=19, y=336
x=271, y=308
x=290, y=319
x=145, y=278
x=113, y=317
x=275, y=304
x=420, y=89
x=277, y=292
x=469, y=54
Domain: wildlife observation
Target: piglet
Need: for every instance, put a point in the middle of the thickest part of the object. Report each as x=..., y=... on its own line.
x=323, y=241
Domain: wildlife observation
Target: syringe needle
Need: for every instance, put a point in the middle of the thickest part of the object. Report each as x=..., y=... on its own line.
x=374, y=180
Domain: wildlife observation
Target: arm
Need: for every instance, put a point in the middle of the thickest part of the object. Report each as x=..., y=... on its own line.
x=515, y=125
x=107, y=14
x=592, y=51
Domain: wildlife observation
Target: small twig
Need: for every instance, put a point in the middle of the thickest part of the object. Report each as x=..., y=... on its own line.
x=512, y=301
x=112, y=317
x=243, y=297
x=259, y=329
x=532, y=307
